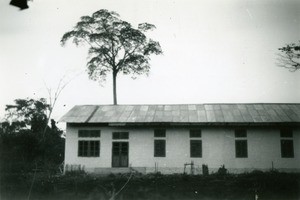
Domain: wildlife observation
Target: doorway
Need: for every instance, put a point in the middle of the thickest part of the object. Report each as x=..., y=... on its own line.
x=120, y=154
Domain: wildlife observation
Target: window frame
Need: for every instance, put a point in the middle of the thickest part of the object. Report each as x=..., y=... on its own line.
x=241, y=143
x=240, y=133
x=241, y=151
x=286, y=133
x=88, y=148
x=287, y=148
x=193, y=147
x=89, y=133
x=159, y=148
x=160, y=133
x=195, y=133
x=120, y=135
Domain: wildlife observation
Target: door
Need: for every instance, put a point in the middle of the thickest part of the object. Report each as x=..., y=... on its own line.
x=120, y=154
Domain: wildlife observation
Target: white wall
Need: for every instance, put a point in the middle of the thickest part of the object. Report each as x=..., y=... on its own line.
x=218, y=148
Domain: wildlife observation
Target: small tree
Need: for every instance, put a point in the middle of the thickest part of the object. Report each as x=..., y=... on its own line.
x=290, y=56
x=114, y=46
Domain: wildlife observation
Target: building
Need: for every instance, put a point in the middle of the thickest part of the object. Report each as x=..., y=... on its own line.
x=163, y=138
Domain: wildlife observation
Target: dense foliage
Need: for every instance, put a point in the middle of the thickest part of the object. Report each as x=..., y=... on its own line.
x=27, y=143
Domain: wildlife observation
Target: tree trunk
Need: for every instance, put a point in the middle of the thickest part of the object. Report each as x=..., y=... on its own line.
x=115, y=88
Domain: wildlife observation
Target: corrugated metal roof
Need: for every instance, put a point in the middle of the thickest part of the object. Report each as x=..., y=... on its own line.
x=191, y=113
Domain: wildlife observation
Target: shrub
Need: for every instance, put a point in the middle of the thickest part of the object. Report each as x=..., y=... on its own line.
x=222, y=170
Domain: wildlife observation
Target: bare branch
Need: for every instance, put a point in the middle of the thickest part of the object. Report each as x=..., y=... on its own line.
x=53, y=99
x=289, y=57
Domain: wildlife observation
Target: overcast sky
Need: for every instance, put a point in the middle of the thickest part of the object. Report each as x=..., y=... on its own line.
x=214, y=52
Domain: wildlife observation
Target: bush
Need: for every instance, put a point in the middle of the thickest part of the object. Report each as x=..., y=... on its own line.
x=268, y=185
x=222, y=170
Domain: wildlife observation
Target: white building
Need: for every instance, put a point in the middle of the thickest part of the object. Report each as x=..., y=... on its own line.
x=151, y=138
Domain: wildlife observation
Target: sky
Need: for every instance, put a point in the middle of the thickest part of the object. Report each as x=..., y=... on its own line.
x=213, y=52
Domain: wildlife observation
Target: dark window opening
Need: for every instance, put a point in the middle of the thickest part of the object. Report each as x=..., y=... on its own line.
x=159, y=148
x=196, y=148
x=287, y=149
x=241, y=149
x=88, y=148
x=195, y=133
x=120, y=135
x=286, y=133
x=240, y=133
x=159, y=133
x=88, y=133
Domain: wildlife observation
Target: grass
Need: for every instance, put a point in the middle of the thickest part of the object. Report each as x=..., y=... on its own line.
x=268, y=185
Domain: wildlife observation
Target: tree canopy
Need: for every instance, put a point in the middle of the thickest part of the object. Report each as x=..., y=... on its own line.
x=290, y=56
x=114, y=45
x=26, y=140
x=27, y=113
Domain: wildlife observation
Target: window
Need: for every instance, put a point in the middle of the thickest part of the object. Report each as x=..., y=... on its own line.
x=287, y=149
x=159, y=148
x=288, y=133
x=241, y=149
x=239, y=133
x=120, y=135
x=241, y=145
x=159, y=133
x=160, y=144
x=195, y=133
x=88, y=133
x=287, y=144
x=196, y=143
x=196, y=148
x=88, y=148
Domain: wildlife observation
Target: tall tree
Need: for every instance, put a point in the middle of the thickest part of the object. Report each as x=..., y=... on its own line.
x=114, y=46
x=290, y=56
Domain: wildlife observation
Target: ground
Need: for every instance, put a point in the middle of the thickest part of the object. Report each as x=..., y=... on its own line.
x=75, y=186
